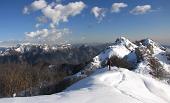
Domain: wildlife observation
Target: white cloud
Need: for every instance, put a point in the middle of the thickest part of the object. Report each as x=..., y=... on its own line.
x=37, y=25
x=116, y=7
x=26, y=10
x=52, y=25
x=42, y=19
x=141, y=9
x=47, y=35
x=36, y=5
x=38, y=33
x=58, y=1
x=61, y=12
x=99, y=13
x=54, y=11
x=53, y=14
x=39, y=4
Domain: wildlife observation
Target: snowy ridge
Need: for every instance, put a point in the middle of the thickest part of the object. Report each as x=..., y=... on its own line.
x=123, y=48
x=118, y=85
x=148, y=41
x=126, y=43
x=120, y=48
x=159, y=53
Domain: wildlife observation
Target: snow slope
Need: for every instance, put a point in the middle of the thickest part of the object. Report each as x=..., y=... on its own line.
x=121, y=48
x=118, y=85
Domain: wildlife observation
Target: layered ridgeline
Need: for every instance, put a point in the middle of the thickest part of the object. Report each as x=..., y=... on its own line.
x=137, y=75
x=33, y=53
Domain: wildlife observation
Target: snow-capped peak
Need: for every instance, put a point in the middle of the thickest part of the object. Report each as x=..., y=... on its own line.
x=121, y=48
x=124, y=41
x=150, y=42
x=137, y=56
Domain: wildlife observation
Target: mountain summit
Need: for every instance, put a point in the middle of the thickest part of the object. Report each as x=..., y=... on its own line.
x=145, y=57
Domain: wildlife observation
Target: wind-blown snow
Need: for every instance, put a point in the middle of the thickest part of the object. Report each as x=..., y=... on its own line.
x=118, y=85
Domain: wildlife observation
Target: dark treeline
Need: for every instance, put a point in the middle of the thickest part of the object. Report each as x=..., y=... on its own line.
x=38, y=72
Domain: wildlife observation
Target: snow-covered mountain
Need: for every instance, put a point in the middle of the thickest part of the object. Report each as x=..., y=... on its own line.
x=146, y=82
x=146, y=57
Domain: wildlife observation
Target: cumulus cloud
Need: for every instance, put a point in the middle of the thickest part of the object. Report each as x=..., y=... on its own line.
x=99, y=13
x=58, y=1
x=116, y=7
x=52, y=14
x=141, y=9
x=37, y=25
x=47, y=34
x=26, y=10
x=39, y=4
x=52, y=25
x=38, y=33
x=61, y=12
x=42, y=19
x=36, y=5
x=54, y=11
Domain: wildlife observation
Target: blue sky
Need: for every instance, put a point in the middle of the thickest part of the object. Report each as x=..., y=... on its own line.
x=153, y=22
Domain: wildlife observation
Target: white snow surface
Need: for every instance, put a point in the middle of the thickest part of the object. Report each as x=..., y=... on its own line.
x=116, y=86
x=121, y=48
